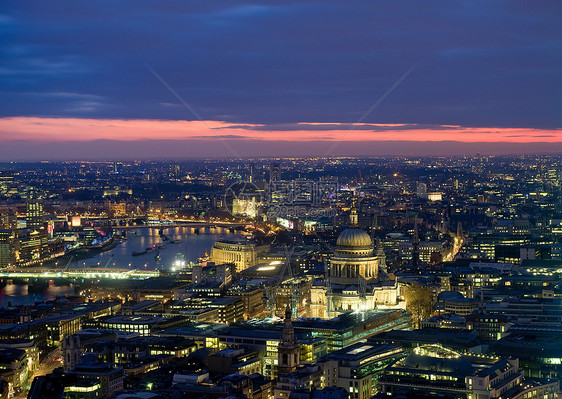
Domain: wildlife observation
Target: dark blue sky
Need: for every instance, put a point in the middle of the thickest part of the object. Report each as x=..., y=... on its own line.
x=491, y=63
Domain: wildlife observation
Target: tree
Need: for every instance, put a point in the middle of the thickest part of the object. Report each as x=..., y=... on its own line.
x=419, y=302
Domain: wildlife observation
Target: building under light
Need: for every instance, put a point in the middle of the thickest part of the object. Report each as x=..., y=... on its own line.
x=243, y=254
x=434, y=371
x=34, y=214
x=357, y=280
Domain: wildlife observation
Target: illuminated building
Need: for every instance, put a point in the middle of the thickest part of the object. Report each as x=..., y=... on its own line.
x=83, y=389
x=117, y=208
x=8, y=219
x=137, y=350
x=490, y=327
x=110, y=378
x=461, y=306
x=357, y=276
x=143, y=325
x=13, y=367
x=75, y=221
x=434, y=371
x=246, y=207
x=428, y=251
x=350, y=328
x=525, y=310
x=230, y=309
x=59, y=327
x=358, y=367
x=459, y=339
x=243, y=254
x=251, y=172
x=34, y=214
x=6, y=256
x=538, y=348
x=265, y=337
x=434, y=196
x=31, y=247
x=27, y=345
x=6, y=181
x=421, y=191
x=487, y=243
x=294, y=292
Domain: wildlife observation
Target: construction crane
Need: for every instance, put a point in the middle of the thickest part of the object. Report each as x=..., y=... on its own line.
x=273, y=291
x=362, y=288
x=328, y=292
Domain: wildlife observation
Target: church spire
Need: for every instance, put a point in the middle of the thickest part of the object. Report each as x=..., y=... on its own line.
x=353, y=218
x=288, y=351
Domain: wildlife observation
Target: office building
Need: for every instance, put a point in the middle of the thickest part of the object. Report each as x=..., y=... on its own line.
x=34, y=214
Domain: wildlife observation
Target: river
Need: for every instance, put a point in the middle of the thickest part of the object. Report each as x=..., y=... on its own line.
x=190, y=246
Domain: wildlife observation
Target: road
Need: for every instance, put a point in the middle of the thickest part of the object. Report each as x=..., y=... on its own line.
x=46, y=366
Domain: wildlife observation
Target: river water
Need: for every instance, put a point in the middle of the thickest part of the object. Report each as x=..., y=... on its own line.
x=189, y=246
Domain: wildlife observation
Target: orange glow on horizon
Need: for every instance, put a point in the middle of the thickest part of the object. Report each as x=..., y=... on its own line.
x=77, y=129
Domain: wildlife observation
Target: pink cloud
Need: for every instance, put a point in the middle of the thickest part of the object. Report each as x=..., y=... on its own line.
x=76, y=129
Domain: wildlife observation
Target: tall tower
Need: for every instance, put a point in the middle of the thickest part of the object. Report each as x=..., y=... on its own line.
x=251, y=175
x=274, y=172
x=6, y=247
x=288, y=351
x=34, y=214
x=353, y=217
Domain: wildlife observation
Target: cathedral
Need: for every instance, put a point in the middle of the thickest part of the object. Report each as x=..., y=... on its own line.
x=357, y=278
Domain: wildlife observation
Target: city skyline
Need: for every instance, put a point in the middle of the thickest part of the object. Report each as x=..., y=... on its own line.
x=184, y=80
x=281, y=199
x=274, y=278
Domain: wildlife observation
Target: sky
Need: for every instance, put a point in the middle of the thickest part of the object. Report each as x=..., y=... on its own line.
x=182, y=79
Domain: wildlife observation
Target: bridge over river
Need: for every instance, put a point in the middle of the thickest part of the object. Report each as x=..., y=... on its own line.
x=72, y=274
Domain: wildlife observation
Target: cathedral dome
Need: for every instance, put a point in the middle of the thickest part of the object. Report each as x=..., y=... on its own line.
x=354, y=238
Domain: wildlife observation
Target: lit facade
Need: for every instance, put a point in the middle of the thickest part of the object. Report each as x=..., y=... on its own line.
x=242, y=254
x=357, y=277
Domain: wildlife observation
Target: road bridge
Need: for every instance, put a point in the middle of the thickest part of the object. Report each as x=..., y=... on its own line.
x=72, y=274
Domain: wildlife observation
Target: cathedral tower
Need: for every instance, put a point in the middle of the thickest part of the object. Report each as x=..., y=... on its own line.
x=288, y=351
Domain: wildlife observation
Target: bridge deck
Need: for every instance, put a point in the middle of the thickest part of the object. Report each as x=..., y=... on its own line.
x=120, y=274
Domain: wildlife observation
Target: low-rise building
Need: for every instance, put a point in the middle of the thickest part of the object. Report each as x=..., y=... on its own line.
x=14, y=367
x=109, y=377
x=143, y=325
x=230, y=309
x=358, y=367
x=240, y=360
x=436, y=371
